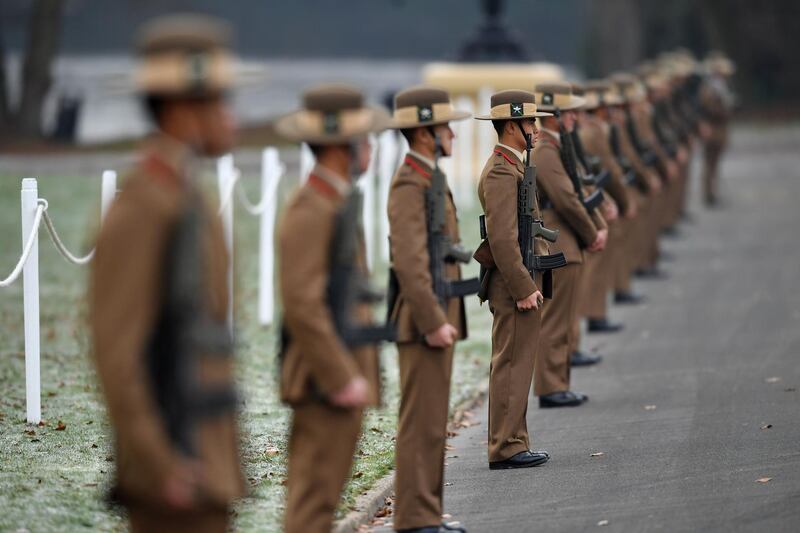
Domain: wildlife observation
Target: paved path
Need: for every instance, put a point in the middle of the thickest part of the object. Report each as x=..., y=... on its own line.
x=697, y=399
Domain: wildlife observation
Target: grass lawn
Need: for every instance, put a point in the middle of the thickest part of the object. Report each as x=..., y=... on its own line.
x=55, y=479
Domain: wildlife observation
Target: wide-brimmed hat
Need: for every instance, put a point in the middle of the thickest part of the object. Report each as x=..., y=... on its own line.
x=184, y=55
x=423, y=106
x=719, y=63
x=513, y=104
x=599, y=93
x=332, y=114
x=557, y=97
x=629, y=87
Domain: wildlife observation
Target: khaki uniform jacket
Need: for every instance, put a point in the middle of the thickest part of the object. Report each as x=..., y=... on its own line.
x=594, y=135
x=417, y=310
x=497, y=192
x=126, y=284
x=316, y=361
x=716, y=112
x=567, y=214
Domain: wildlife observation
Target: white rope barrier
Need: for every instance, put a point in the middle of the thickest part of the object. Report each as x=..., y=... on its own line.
x=66, y=254
x=27, y=247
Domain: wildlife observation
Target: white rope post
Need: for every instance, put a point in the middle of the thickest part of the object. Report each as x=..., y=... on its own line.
x=465, y=156
x=306, y=162
x=367, y=184
x=108, y=191
x=388, y=153
x=271, y=171
x=226, y=174
x=30, y=280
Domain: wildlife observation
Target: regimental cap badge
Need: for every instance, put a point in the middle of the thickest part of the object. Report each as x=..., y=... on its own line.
x=424, y=113
x=197, y=64
x=331, y=123
x=517, y=110
x=547, y=99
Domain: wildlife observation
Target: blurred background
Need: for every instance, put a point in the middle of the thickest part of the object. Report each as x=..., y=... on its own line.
x=62, y=62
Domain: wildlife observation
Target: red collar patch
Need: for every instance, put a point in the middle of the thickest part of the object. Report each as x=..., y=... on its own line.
x=322, y=186
x=499, y=151
x=416, y=166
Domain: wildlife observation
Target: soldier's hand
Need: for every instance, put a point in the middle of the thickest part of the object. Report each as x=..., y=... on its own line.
x=655, y=184
x=180, y=485
x=531, y=302
x=632, y=211
x=610, y=210
x=354, y=394
x=442, y=337
x=600, y=242
x=683, y=155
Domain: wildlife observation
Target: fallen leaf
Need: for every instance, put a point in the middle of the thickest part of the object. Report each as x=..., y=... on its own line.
x=451, y=434
x=90, y=484
x=30, y=432
x=789, y=389
x=649, y=407
x=42, y=423
x=447, y=516
x=766, y=426
x=61, y=426
x=773, y=379
x=51, y=393
x=764, y=480
x=602, y=523
x=598, y=454
x=94, y=445
x=272, y=451
x=358, y=475
x=448, y=484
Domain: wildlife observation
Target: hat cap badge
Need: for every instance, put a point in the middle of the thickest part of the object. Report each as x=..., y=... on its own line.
x=547, y=99
x=516, y=109
x=331, y=123
x=424, y=113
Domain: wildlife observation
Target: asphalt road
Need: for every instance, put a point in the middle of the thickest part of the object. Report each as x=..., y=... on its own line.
x=697, y=400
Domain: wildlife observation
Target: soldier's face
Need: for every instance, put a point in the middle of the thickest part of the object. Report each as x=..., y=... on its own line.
x=568, y=118
x=446, y=136
x=217, y=129
x=364, y=153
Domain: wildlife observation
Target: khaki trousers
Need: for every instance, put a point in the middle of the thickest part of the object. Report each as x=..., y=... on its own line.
x=150, y=520
x=558, y=325
x=321, y=447
x=421, y=434
x=515, y=342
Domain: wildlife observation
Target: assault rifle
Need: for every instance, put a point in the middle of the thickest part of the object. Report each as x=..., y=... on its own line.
x=569, y=160
x=630, y=175
x=441, y=249
x=347, y=283
x=594, y=175
x=186, y=334
x=648, y=156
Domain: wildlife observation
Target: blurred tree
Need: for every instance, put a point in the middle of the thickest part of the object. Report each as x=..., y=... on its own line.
x=614, y=39
x=44, y=31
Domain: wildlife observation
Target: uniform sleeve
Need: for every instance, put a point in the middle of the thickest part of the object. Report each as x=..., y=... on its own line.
x=304, y=240
x=410, y=259
x=559, y=190
x=126, y=283
x=500, y=197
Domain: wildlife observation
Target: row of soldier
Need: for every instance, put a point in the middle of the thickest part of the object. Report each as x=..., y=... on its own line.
x=575, y=194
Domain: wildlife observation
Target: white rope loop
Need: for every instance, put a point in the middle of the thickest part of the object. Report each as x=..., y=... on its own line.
x=66, y=254
x=228, y=193
x=26, y=250
x=266, y=196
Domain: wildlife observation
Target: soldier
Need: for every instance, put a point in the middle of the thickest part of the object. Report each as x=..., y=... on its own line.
x=159, y=295
x=428, y=324
x=514, y=295
x=328, y=374
x=562, y=200
x=717, y=102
